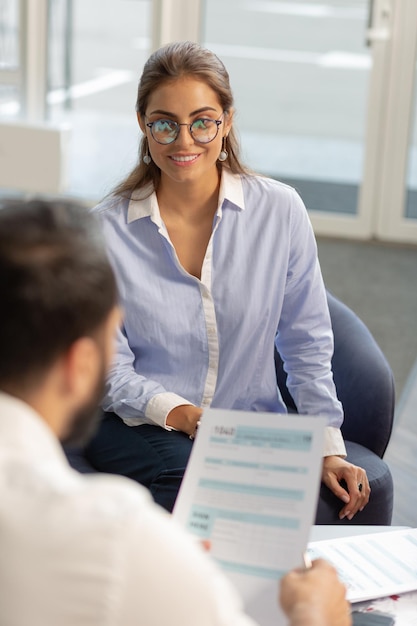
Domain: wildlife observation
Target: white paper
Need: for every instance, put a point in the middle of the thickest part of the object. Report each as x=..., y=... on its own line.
x=251, y=488
x=372, y=565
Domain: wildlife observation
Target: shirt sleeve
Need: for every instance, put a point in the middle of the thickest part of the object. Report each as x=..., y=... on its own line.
x=135, y=398
x=168, y=579
x=333, y=442
x=305, y=337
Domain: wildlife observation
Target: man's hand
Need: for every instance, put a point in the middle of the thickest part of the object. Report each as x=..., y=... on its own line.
x=184, y=418
x=358, y=490
x=315, y=597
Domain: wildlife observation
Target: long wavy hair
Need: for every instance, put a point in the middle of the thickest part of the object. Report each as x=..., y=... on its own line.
x=171, y=62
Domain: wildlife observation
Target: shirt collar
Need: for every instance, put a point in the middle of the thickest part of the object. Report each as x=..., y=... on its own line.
x=143, y=202
x=231, y=189
x=25, y=432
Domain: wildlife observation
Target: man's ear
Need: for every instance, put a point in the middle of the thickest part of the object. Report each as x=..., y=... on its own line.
x=81, y=365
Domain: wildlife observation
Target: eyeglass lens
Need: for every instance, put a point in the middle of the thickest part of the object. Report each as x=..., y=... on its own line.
x=202, y=130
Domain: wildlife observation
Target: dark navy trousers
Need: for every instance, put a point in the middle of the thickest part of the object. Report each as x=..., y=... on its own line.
x=154, y=457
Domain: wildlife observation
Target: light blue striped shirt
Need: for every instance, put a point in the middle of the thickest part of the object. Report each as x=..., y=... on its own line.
x=210, y=342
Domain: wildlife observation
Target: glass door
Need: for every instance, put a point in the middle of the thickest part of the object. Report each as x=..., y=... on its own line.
x=10, y=59
x=301, y=73
x=96, y=54
x=313, y=84
x=411, y=197
x=396, y=204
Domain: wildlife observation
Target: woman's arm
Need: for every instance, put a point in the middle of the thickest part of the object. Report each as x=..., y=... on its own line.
x=305, y=343
x=141, y=400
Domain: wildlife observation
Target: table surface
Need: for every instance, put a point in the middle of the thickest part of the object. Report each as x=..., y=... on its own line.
x=319, y=533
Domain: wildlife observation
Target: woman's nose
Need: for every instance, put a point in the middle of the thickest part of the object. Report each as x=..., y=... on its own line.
x=185, y=137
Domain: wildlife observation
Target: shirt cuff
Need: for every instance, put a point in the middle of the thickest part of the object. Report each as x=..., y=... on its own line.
x=160, y=405
x=333, y=442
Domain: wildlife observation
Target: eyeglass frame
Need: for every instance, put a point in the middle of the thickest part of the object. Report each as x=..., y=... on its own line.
x=218, y=122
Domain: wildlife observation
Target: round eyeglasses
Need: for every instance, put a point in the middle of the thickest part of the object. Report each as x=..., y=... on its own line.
x=202, y=130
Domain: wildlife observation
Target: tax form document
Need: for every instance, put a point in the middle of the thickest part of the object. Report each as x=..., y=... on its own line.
x=251, y=488
x=372, y=565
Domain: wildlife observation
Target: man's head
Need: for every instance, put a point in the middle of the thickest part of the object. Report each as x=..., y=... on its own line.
x=58, y=308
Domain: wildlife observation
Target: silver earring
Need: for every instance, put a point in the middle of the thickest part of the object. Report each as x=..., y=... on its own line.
x=223, y=154
x=146, y=157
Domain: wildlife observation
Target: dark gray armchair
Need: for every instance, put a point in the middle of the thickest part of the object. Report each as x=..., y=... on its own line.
x=365, y=387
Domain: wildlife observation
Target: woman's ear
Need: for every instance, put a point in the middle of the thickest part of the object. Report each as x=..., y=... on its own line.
x=141, y=122
x=228, y=121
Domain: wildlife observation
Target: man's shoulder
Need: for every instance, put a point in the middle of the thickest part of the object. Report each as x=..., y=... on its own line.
x=109, y=498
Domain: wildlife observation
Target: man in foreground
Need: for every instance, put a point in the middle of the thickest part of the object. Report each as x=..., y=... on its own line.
x=91, y=551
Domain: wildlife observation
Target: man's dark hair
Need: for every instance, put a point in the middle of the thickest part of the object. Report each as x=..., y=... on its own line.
x=56, y=284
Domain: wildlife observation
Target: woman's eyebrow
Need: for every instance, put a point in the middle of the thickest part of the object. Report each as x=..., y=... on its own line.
x=202, y=110
x=170, y=114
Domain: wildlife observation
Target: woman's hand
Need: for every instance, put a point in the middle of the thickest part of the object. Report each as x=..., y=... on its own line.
x=315, y=597
x=184, y=418
x=356, y=496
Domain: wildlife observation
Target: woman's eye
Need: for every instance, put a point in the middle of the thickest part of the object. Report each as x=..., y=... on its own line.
x=202, y=123
x=165, y=126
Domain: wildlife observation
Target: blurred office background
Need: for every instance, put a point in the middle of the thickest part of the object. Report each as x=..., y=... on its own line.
x=326, y=100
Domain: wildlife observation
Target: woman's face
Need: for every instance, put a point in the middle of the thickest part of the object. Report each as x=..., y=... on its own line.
x=184, y=101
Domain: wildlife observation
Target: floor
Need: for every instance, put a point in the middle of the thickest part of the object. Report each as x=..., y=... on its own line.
x=401, y=455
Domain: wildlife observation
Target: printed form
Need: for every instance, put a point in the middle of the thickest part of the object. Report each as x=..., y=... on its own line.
x=372, y=565
x=251, y=488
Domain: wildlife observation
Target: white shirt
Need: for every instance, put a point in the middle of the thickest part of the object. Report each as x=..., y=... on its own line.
x=93, y=551
x=210, y=341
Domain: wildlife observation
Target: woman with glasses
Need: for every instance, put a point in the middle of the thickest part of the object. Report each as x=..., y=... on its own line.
x=216, y=266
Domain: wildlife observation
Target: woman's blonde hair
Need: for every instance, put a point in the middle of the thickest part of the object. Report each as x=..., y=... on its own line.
x=166, y=64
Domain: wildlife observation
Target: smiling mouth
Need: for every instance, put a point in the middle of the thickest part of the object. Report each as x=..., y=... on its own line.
x=184, y=159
